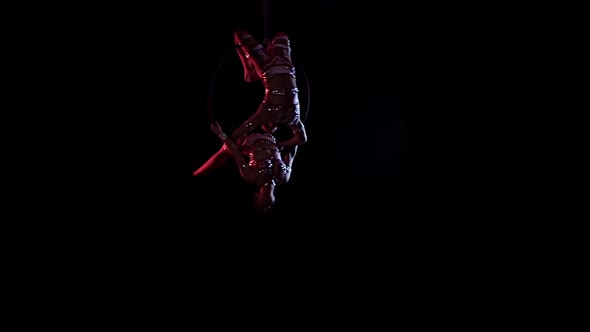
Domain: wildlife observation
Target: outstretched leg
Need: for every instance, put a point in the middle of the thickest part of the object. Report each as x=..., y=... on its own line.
x=216, y=161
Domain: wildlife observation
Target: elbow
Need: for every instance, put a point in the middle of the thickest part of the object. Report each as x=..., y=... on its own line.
x=302, y=139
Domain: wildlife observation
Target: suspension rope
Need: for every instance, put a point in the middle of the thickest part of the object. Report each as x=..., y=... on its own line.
x=266, y=38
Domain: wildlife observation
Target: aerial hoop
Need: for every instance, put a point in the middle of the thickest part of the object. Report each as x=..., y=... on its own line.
x=298, y=68
x=266, y=40
x=221, y=63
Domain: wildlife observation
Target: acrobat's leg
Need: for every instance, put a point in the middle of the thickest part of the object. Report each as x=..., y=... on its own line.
x=280, y=47
x=262, y=116
x=252, y=54
x=250, y=73
x=216, y=161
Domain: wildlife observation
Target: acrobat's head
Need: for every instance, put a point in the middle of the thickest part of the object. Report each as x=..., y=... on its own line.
x=264, y=199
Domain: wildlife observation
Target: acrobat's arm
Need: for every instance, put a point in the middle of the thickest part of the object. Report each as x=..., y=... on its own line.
x=288, y=156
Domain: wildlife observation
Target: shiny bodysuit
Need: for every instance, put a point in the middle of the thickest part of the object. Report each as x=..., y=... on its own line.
x=265, y=165
x=274, y=67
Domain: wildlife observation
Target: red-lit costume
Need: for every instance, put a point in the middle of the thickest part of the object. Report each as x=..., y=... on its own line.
x=259, y=159
x=273, y=66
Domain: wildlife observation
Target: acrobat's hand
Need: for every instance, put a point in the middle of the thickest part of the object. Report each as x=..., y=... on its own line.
x=264, y=203
x=216, y=129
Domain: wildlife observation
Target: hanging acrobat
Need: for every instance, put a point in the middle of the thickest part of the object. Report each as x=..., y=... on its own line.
x=262, y=160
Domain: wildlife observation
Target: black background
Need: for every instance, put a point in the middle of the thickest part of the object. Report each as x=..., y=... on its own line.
x=361, y=184
x=358, y=184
